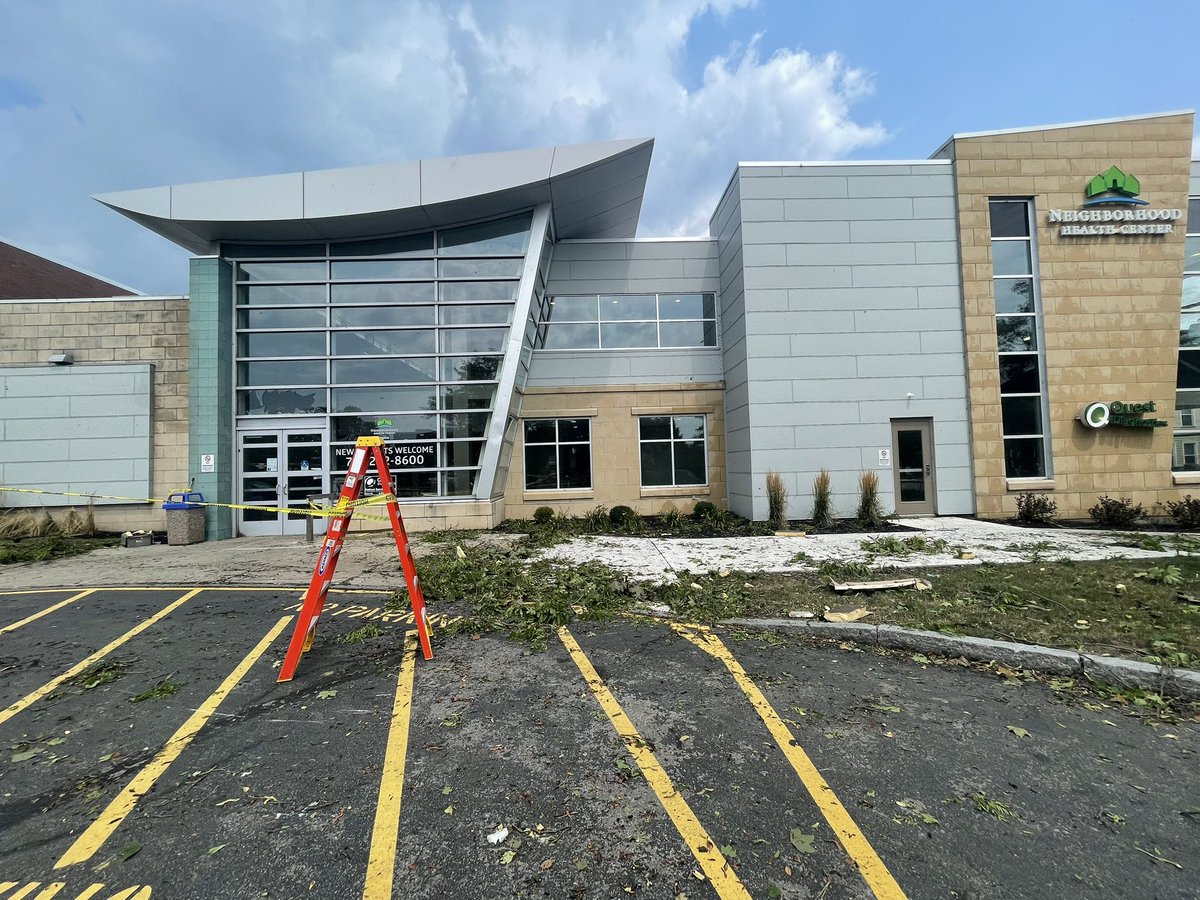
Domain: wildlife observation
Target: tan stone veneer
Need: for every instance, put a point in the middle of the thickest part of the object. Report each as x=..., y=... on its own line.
x=118, y=330
x=1110, y=306
x=616, y=464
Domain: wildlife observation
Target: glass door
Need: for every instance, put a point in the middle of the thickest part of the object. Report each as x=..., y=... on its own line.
x=912, y=466
x=280, y=468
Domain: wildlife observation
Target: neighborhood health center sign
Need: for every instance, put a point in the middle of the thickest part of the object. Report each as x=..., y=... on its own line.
x=1113, y=208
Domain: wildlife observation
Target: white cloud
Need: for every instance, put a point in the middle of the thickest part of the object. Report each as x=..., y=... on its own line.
x=135, y=94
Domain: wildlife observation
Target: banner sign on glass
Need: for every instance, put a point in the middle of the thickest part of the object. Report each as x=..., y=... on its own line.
x=400, y=458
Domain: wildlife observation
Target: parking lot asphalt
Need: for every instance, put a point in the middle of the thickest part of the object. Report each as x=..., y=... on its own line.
x=147, y=750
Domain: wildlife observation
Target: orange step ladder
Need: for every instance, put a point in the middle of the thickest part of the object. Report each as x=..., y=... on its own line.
x=365, y=449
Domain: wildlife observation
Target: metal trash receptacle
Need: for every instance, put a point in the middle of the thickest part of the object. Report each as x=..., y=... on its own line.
x=185, y=517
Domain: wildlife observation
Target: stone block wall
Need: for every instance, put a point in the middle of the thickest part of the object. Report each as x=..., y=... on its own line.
x=616, y=463
x=1110, y=306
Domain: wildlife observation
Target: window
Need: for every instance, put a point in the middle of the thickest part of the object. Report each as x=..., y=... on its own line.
x=1184, y=458
x=628, y=321
x=673, y=450
x=558, y=454
x=1018, y=324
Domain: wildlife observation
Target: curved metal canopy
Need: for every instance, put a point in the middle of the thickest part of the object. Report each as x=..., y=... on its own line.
x=595, y=191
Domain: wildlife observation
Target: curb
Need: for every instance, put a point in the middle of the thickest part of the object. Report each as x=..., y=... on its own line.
x=1164, y=680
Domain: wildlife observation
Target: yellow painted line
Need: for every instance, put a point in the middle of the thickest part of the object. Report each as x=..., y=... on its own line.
x=722, y=877
x=98, y=832
x=91, y=891
x=184, y=587
x=81, y=666
x=51, y=890
x=382, y=860
x=45, y=612
x=870, y=866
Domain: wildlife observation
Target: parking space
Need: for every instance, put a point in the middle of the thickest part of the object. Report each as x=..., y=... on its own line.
x=148, y=751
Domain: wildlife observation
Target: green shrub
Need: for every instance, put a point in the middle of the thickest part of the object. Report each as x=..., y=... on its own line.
x=777, y=500
x=704, y=510
x=596, y=519
x=622, y=515
x=543, y=515
x=1116, y=512
x=672, y=519
x=1036, y=509
x=822, y=511
x=1185, y=512
x=870, y=513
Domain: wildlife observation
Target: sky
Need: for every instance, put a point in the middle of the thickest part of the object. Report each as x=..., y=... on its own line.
x=110, y=95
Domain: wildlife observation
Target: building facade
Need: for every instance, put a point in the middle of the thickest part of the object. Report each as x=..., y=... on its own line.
x=1013, y=314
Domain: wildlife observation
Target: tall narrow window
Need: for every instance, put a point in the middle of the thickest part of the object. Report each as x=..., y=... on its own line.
x=1186, y=454
x=1018, y=313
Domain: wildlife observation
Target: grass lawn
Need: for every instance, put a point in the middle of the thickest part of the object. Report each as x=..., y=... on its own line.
x=1131, y=608
x=1070, y=605
x=51, y=546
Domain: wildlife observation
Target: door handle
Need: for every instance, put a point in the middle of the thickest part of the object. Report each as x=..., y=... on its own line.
x=926, y=468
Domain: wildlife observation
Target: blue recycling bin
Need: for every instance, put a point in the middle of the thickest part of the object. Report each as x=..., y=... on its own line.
x=185, y=517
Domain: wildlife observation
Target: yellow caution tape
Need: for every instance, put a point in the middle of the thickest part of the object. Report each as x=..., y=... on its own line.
x=338, y=510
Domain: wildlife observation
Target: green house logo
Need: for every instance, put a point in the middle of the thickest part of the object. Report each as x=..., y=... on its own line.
x=1114, y=186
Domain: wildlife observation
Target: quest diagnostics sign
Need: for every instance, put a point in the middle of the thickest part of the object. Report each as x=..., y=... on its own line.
x=1113, y=207
x=1120, y=414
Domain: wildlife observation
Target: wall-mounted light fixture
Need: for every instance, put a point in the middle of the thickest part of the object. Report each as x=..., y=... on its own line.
x=61, y=359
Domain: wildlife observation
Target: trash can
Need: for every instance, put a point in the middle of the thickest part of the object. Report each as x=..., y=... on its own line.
x=185, y=517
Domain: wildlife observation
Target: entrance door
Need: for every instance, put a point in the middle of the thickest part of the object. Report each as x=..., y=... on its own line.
x=912, y=465
x=280, y=468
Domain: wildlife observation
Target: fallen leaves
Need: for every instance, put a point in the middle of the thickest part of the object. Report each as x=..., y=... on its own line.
x=1019, y=732
x=846, y=614
x=803, y=842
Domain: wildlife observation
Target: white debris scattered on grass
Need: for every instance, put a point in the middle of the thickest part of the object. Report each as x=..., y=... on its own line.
x=664, y=559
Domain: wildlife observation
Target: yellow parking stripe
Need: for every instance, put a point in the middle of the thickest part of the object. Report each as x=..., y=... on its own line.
x=45, y=612
x=870, y=866
x=381, y=863
x=723, y=879
x=81, y=666
x=122, y=805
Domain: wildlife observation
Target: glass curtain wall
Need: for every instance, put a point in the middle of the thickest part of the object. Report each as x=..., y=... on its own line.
x=398, y=337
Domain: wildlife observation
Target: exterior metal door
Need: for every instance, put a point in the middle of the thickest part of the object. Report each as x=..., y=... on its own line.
x=280, y=468
x=912, y=466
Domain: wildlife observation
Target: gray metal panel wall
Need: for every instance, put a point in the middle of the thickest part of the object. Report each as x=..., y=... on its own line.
x=633, y=267
x=726, y=226
x=552, y=368
x=853, y=317
x=82, y=429
x=629, y=267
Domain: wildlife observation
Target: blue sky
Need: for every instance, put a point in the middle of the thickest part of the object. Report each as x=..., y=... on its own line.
x=112, y=95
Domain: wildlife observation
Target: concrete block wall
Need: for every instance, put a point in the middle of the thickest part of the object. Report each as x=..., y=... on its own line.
x=112, y=333
x=852, y=318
